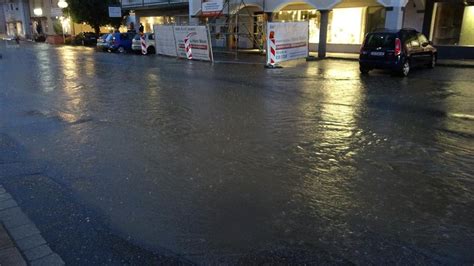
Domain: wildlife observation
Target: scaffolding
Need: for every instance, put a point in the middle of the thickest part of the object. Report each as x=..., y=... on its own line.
x=237, y=27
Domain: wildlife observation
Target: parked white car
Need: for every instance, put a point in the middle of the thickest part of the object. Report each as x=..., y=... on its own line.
x=150, y=42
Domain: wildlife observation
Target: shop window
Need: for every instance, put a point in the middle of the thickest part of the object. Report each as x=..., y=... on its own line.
x=447, y=23
x=346, y=26
x=453, y=24
x=312, y=15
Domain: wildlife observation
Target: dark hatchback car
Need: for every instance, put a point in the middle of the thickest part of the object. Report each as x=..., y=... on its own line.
x=85, y=38
x=399, y=51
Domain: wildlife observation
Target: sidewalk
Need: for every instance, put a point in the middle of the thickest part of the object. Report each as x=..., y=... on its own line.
x=21, y=242
x=466, y=63
x=9, y=253
x=255, y=57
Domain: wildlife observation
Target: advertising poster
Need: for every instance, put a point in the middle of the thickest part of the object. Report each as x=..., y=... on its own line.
x=287, y=41
x=212, y=8
x=196, y=38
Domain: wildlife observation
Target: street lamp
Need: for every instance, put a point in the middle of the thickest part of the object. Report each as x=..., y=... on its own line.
x=38, y=12
x=62, y=4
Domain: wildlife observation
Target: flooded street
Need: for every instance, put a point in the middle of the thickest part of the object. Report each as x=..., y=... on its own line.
x=131, y=159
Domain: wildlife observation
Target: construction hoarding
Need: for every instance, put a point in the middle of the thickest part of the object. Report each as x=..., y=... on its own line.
x=164, y=38
x=194, y=39
x=287, y=41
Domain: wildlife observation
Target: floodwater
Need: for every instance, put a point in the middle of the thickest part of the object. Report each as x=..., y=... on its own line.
x=233, y=163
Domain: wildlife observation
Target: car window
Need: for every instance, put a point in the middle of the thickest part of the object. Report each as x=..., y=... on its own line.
x=137, y=37
x=384, y=40
x=413, y=40
x=151, y=37
x=125, y=36
x=422, y=39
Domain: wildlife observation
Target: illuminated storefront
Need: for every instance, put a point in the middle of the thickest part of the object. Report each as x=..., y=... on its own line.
x=148, y=22
x=151, y=12
x=347, y=26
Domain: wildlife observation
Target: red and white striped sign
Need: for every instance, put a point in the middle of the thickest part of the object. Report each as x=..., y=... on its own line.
x=193, y=42
x=272, y=47
x=144, y=46
x=187, y=45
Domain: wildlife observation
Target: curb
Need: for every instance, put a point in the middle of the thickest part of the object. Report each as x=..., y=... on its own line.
x=26, y=237
x=455, y=65
x=441, y=64
x=314, y=58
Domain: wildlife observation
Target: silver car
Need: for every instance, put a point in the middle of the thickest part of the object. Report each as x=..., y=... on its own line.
x=150, y=43
x=104, y=42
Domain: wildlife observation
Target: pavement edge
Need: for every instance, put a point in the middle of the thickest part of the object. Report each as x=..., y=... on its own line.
x=24, y=234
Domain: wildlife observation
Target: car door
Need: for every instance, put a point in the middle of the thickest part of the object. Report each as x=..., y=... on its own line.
x=125, y=41
x=415, y=51
x=151, y=40
x=426, y=48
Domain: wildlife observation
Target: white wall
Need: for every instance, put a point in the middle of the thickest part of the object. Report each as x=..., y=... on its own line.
x=413, y=19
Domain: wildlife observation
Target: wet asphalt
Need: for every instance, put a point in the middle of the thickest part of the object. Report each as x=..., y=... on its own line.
x=126, y=159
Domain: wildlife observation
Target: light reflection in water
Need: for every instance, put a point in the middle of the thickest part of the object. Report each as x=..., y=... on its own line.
x=329, y=145
x=47, y=84
x=68, y=61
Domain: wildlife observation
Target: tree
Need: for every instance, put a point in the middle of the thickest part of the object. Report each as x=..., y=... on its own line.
x=93, y=12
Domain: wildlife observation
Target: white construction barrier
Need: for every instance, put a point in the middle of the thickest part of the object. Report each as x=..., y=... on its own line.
x=193, y=42
x=287, y=41
x=165, y=43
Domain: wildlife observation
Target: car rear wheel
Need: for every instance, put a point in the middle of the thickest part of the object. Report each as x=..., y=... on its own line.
x=364, y=70
x=432, y=63
x=121, y=50
x=405, y=68
x=150, y=50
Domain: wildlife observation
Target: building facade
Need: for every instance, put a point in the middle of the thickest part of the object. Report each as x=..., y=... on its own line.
x=15, y=16
x=3, y=25
x=150, y=12
x=334, y=25
x=48, y=20
x=340, y=25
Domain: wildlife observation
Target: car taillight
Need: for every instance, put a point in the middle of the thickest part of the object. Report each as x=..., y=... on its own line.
x=362, y=48
x=398, y=46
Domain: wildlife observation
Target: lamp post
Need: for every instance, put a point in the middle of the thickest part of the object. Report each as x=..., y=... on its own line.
x=63, y=4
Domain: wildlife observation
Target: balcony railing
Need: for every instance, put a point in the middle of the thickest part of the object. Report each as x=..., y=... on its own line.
x=144, y=3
